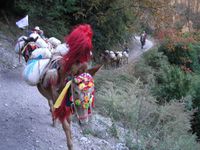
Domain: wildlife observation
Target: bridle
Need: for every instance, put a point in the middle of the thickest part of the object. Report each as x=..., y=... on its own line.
x=74, y=107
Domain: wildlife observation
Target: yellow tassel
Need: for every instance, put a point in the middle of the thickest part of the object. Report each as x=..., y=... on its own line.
x=62, y=94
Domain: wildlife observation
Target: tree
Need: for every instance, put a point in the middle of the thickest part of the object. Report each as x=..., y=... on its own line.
x=113, y=21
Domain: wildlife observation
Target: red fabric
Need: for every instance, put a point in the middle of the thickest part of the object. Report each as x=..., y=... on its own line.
x=62, y=112
x=80, y=46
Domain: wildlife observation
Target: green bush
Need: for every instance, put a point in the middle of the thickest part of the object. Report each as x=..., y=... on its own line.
x=177, y=53
x=155, y=59
x=172, y=83
x=166, y=81
x=184, y=54
x=150, y=63
x=194, y=55
x=151, y=126
x=196, y=104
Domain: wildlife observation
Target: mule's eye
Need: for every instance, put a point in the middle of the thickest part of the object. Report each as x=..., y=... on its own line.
x=76, y=93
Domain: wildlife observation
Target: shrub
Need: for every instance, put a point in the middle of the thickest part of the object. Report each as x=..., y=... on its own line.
x=167, y=82
x=194, y=56
x=196, y=104
x=147, y=67
x=124, y=98
x=182, y=50
x=172, y=83
x=155, y=59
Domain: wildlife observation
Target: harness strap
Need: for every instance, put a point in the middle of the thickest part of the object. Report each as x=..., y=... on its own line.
x=23, y=50
x=76, y=112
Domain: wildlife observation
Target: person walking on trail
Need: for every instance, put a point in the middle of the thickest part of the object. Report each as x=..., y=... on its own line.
x=143, y=37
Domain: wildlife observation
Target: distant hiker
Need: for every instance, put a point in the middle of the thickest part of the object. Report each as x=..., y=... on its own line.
x=143, y=37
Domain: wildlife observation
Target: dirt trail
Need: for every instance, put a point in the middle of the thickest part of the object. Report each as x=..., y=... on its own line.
x=25, y=118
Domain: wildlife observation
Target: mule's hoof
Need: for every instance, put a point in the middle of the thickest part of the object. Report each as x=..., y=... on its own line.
x=53, y=125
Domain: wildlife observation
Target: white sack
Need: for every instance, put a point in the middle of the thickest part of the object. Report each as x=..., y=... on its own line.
x=54, y=41
x=33, y=71
x=62, y=49
x=41, y=53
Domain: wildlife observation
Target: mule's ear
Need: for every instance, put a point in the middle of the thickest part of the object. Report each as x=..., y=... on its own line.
x=93, y=70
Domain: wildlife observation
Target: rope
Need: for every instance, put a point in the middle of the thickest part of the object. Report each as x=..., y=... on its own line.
x=24, y=48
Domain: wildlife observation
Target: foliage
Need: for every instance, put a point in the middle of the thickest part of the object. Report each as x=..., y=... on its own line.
x=172, y=83
x=167, y=81
x=194, y=56
x=56, y=17
x=155, y=59
x=113, y=21
x=149, y=65
x=181, y=50
x=109, y=87
x=144, y=72
x=184, y=53
x=152, y=126
x=51, y=15
x=196, y=104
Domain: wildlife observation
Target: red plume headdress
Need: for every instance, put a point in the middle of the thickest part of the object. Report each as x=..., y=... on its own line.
x=80, y=46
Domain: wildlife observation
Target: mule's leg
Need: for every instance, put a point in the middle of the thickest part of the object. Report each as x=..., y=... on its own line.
x=69, y=122
x=52, y=110
x=67, y=130
x=54, y=95
x=46, y=92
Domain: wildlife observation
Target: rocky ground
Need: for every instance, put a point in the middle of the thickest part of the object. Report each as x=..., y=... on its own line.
x=25, y=121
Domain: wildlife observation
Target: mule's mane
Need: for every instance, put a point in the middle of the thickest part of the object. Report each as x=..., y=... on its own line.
x=80, y=45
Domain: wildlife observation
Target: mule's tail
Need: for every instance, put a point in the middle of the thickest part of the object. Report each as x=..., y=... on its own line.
x=50, y=77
